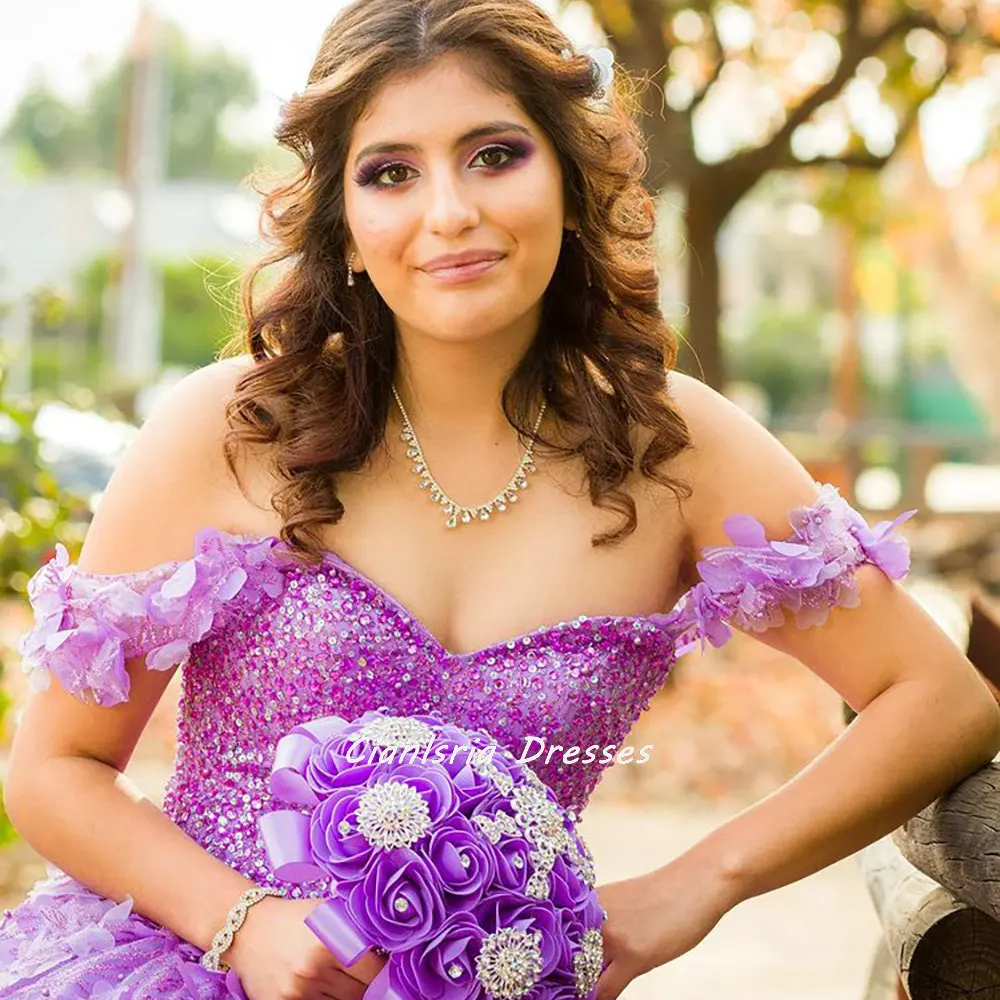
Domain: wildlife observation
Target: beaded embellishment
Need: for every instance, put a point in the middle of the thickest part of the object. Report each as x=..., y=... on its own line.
x=588, y=961
x=395, y=732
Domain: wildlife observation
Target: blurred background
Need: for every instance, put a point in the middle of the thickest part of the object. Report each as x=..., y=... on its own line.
x=827, y=177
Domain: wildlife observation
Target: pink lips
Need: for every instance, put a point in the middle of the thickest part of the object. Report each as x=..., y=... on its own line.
x=458, y=267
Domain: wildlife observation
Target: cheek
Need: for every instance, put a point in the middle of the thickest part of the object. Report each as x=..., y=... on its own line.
x=378, y=222
x=532, y=209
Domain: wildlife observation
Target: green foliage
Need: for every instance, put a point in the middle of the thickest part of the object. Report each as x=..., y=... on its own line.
x=57, y=137
x=199, y=310
x=783, y=354
x=34, y=512
x=199, y=304
x=34, y=509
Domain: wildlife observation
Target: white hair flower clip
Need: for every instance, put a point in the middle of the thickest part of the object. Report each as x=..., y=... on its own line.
x=603, y=66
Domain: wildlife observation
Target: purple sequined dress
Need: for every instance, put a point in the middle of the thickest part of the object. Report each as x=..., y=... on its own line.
x=266, y=644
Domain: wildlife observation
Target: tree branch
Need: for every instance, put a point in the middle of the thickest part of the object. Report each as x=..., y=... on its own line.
x=853, y=52
x=720, y=61
x=869, y=161
x=852, y=19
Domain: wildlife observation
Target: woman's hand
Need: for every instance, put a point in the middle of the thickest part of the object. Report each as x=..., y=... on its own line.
x=277, y=957
x=657, y=917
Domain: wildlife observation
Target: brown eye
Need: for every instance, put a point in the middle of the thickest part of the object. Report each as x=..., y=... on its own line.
x=493, y=156
x=396, y=174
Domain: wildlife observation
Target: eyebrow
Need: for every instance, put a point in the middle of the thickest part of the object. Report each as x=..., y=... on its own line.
x=488, y=128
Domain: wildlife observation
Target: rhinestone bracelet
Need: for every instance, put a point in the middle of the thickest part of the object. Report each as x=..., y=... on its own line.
x=223, y=940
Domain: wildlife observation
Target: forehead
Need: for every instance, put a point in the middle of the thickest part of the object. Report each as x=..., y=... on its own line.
x=435, y=103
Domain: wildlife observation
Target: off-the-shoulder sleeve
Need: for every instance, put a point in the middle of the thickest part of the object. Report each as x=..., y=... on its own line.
x=88, y=625
x=756, y=583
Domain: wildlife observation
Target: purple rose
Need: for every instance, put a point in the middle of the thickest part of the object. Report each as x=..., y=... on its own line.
x=443, y=967
x=337, y=763
x=399, y=902
x=513, y=863
x=346, y=856
x=489, y=805
x=561, y=988
x=575, y=922
x=567, y=889
x=464, y=861
x=505, y=909
x=472, y=787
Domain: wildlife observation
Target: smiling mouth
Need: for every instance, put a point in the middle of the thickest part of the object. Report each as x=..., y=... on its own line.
x=455, y=273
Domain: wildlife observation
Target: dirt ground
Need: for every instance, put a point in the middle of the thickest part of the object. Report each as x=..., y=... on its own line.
x=814, y=940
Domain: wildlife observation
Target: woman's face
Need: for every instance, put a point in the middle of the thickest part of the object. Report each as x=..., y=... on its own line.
x=441, y=165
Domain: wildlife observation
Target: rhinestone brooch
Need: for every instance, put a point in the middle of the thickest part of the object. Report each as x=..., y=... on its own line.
x=587, y=962
x=392, y=814
x=394, y=732
x=509, y=963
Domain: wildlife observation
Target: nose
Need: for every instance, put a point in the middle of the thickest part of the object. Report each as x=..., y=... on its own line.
x=452, y=207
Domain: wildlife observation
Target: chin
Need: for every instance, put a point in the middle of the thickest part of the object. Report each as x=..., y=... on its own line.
x=467, y=322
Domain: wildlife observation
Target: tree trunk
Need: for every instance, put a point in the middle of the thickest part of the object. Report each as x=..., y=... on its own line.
x=702, y=223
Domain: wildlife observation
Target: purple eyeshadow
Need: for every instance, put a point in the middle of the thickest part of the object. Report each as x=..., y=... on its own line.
x=517, y=150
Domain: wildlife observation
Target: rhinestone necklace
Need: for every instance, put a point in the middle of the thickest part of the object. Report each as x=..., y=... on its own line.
x=456, y=514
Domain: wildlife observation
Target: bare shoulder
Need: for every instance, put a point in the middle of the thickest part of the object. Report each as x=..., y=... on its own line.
x=734, y=466
x=172, y=480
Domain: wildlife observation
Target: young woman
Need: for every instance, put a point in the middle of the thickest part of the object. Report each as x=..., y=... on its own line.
x=328, y=523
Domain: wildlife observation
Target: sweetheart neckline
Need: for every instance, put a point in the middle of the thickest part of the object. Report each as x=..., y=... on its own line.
x=659, y=619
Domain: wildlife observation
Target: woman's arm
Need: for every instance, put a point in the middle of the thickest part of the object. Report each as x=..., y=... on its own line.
x=64, y=790
x=926, y=720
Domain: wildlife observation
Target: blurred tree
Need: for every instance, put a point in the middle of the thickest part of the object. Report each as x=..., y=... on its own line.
x=783, y=353
x=199, y=309
x=203, y=86
x=739, y=89
x=199, y=305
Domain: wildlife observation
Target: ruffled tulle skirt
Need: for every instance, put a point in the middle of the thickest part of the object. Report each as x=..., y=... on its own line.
x=64, y=942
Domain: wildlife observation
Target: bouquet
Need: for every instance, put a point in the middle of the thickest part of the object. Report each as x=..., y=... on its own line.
x=441, y=851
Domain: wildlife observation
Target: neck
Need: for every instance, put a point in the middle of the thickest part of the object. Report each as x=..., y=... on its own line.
x=453, y=390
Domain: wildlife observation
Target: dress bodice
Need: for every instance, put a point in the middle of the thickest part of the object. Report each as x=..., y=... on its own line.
x=267, y=643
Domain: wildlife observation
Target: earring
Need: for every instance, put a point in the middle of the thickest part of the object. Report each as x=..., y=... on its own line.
x=350, y=271
x=586, y=263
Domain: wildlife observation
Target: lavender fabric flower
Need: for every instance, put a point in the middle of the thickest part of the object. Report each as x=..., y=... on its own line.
x=464, y=861
x=338, y=849
x=755, y=583
x=466, y=871
x=88, y=625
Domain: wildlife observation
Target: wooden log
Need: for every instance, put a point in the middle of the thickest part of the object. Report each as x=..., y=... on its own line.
x=956, y=840
x=942, y=948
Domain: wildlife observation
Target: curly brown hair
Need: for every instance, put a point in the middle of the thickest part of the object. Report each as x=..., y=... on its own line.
x=326, y=353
